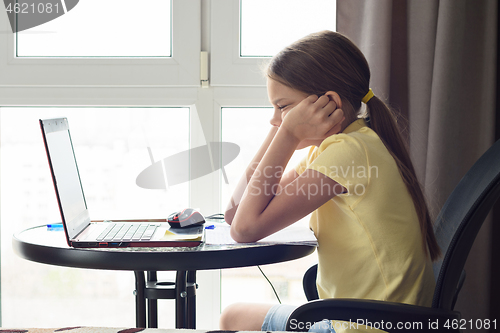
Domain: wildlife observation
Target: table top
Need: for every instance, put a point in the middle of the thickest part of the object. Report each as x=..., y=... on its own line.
x=49, y=247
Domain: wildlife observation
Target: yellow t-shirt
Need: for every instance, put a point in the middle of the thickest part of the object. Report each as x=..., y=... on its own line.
x=369, y=239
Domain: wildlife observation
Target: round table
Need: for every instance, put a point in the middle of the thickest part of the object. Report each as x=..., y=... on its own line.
x=50, y=247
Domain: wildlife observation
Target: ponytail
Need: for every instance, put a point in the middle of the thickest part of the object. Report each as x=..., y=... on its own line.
x=383, y=122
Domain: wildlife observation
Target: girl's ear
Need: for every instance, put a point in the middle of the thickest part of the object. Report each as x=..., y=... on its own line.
x=333, y=96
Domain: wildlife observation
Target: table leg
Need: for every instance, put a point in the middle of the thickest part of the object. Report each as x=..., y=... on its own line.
x=140, y=301
x=191, y=302
x=152, y=303
x=181, y=299
x=184, y=293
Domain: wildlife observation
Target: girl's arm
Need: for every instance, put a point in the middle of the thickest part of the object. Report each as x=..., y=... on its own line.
x=232, y=206
x=267, y=206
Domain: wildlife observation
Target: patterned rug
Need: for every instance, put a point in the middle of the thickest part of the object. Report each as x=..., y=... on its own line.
x=106, y=330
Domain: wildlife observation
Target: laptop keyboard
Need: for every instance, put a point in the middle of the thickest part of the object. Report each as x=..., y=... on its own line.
x=127, y=232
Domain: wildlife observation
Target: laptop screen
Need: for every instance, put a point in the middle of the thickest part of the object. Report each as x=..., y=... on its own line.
x=65, y=175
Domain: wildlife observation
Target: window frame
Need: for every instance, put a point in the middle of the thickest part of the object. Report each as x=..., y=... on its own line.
x=154, y=82
x=227, y=67
x=180, y=70
x=161, y=82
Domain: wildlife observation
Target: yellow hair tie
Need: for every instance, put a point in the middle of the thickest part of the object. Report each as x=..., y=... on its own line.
x=368, y=96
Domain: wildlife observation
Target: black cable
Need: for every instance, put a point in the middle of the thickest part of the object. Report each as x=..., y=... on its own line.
x=260, y=269
x=220, y=216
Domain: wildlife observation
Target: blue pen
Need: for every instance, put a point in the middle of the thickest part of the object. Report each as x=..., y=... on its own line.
x=55, y=226
x=210, y=227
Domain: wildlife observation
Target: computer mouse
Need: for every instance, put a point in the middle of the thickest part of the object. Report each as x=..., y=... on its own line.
x=188, y=217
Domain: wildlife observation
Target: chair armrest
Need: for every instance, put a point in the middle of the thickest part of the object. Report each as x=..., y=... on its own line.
x=309, y=283
x=387, y=316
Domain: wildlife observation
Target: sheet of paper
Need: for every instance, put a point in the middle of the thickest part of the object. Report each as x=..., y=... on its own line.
x=219, y=235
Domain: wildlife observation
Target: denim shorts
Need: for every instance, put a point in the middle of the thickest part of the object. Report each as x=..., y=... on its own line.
x=277, y=317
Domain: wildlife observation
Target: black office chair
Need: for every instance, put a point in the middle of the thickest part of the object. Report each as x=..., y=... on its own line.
x=456, y=228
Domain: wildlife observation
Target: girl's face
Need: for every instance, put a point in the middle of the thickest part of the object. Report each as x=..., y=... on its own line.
x=283, y=99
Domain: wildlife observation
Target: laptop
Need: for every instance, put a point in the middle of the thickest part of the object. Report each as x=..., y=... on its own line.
x=79, y=229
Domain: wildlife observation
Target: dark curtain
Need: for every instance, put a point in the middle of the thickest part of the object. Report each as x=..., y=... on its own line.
x=435, y=62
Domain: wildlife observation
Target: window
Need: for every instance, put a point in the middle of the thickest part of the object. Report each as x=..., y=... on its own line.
x=286, y=277
x=245, y=34
x=40, y=58
x=112, y=28
x=111, y=150
x=248, y=31
x=285, y=19
x=135, y=93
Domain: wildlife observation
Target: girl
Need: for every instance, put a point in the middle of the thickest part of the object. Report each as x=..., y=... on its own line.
x=369, y=215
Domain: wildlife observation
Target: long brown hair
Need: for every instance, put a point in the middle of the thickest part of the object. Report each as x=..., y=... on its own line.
x=328, y=61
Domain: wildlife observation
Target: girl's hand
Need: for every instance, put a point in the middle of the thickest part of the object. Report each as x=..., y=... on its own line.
x=314, y=118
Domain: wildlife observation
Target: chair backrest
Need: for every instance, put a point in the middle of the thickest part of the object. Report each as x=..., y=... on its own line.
x=459, y=221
